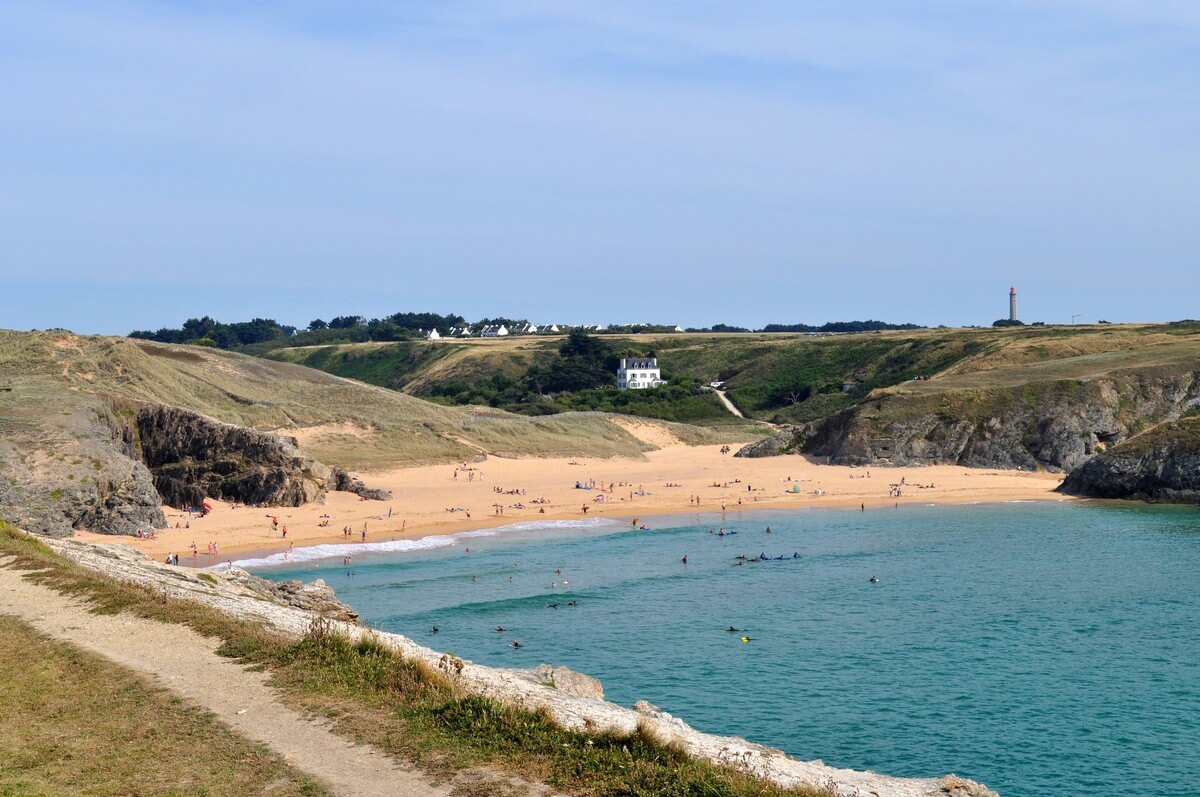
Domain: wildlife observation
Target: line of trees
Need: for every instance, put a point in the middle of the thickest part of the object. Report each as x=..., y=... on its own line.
x=269, y=333
x=839, y=326
x=207, y=331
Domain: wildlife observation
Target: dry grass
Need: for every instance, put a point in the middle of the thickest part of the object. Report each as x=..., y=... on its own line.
x=60, y=369
x=72, y=722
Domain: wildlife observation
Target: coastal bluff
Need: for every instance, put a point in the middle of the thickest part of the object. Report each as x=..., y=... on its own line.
x=572, y=700
x=1161, y=465
x=984, y=421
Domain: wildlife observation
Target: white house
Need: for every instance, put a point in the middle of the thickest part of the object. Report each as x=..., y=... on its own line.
x=638, y=373
x=494, y=331
x=432, y=335
x=678, y=328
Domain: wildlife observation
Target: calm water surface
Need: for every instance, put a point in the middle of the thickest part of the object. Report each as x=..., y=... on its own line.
x=1042, y=648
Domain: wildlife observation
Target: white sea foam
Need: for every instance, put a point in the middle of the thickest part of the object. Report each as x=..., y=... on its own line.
x=313, y=553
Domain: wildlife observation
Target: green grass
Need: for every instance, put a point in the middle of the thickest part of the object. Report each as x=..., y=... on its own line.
x=53, y=371
x=776, y=377
x=369, y=693
x=72, y=722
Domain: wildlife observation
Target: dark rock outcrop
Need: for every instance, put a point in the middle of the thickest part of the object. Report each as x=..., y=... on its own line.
x=192, y=456
x=786, y=440
x=1161, y=465
x=342, y=481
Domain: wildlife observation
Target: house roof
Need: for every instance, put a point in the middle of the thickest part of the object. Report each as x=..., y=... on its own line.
x=639, y=362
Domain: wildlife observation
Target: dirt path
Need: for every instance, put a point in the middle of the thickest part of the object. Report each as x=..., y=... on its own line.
x=729, y=405
x=187, y=664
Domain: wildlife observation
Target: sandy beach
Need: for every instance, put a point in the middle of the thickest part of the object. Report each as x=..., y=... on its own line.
x=450, y=498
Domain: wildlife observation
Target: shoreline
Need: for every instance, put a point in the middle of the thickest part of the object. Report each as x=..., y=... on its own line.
x=614, y=525
x=448, y=499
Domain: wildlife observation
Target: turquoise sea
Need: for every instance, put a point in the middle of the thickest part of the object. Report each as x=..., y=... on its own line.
x=1041, y=648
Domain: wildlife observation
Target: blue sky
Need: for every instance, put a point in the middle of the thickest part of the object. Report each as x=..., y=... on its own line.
x=681, y=162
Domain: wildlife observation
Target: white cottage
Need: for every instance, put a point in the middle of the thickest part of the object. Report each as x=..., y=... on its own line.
x=638, y=373
x=432, y=335
x=494, y=331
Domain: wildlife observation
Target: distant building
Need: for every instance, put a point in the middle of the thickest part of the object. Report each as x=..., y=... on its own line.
x=494, y=331
x=1012, y=303
x=639, y=373
x=432, y=335
x=460, y=332
x=678, y=328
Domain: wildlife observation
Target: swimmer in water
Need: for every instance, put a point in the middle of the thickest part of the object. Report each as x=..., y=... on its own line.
x=768, y=529
x=552, y=605
x=516, y=644
x=874, y=580
x=434, y=630
x=747, y=639
x=572, y=603
x=685, y=559
x=732, y=630
x=500, y=629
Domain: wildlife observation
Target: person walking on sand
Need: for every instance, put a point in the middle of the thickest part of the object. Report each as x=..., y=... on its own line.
x=285, y=532
x=364, y=533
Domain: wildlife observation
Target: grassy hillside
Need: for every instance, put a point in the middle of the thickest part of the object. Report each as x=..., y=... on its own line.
x=339, y=421
x=773, y=377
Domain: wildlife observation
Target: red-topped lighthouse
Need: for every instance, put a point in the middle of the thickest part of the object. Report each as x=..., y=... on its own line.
x=1012, y=303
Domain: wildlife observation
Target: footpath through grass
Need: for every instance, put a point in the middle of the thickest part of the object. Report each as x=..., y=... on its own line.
x=72, y=722
x=371, y=694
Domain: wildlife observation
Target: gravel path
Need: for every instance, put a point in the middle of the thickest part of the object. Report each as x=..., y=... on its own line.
x=187, y=663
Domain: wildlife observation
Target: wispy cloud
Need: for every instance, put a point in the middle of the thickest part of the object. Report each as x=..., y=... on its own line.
x=703, y=149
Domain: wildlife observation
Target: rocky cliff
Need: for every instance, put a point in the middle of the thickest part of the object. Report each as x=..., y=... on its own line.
x=73, y=461
x=66, y=466
x=1161, y=465
x=1052, y=425
x=192, y=456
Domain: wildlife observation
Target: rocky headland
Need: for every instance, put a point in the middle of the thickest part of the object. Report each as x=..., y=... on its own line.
x=1054, y=425
x=573, y=700
x=1162, y=464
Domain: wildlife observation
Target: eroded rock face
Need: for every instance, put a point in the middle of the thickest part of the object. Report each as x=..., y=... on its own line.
x=568, y=681
x=1049, y=426
x=784, y=441
x=192, y=456
x=317, y=597
x=78, y=476
x=1164, y=465
x=342, y=481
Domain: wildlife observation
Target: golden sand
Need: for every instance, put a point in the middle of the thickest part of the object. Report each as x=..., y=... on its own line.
x=639, y=488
